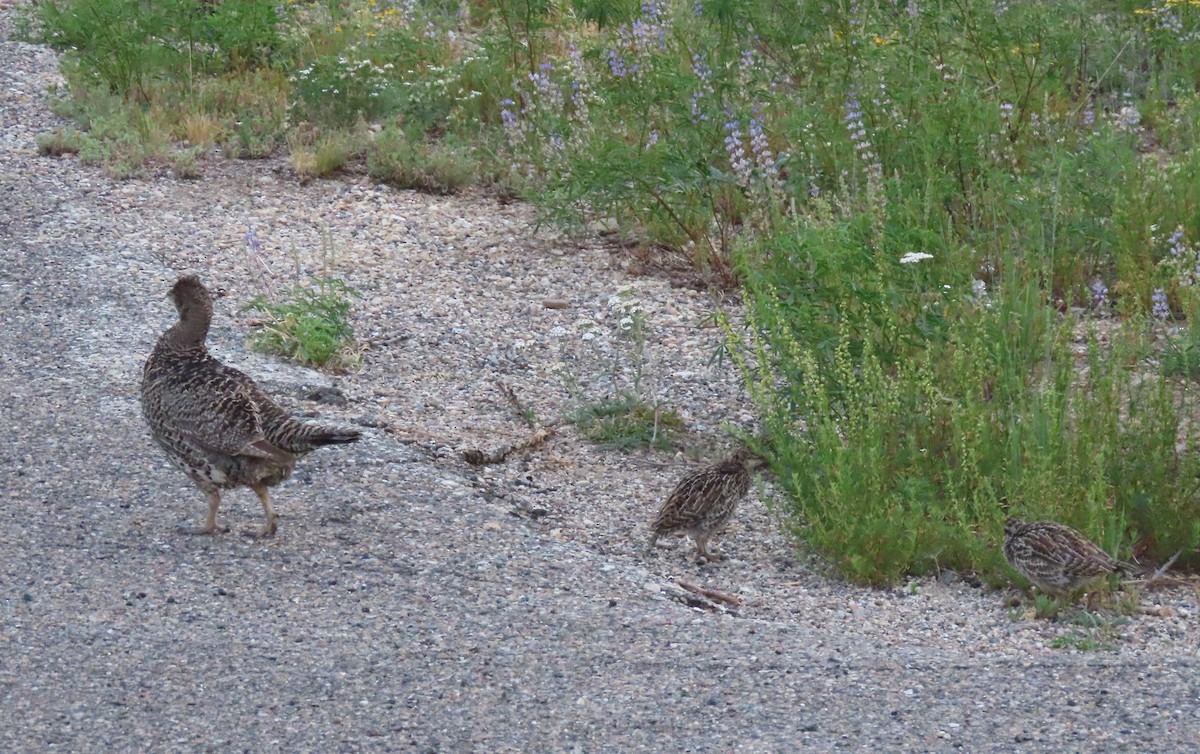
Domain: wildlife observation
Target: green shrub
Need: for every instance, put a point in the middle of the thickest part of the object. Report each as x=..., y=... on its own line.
x=628, y=423
x=337, y=91
x=311, y=324
x=434, y=167
x=909, y=416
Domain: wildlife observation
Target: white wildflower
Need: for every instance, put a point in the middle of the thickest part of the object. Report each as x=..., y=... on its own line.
x=913, y=257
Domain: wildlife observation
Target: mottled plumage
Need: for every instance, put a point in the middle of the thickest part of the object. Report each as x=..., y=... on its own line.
x=704, y=501
x=1055, y=558
x=213, y=421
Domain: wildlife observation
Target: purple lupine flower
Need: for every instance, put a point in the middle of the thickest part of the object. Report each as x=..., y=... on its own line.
x=858, y=137
x=1177, y=242
x=548, y=94
x=739, y=162
x=758, y=140
x=1099, y=294
x=704, y=75
x=581, y=90
x=253, y=244
x=1161, y=309
x=507, y=116
x=616, y=64
x=254, y=251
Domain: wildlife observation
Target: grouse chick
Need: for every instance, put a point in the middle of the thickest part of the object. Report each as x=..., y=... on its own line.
x=1056, y=558
x=213, y=421
x=704, y=501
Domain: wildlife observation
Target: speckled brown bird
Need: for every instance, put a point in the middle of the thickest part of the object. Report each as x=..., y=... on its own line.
x=213, y=421
x=704, y=501
x=1056, y=558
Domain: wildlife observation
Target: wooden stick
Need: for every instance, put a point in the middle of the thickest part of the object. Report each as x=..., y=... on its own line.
x=500, y=455
x=511, y=395
x=710, y=594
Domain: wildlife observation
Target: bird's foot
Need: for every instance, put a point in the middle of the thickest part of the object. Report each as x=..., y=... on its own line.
x=267, y=531
x=202, y=531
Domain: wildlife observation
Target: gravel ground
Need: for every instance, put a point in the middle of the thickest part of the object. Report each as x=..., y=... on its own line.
x=411, y=602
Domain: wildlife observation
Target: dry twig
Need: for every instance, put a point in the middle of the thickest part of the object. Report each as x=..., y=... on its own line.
x=711, y=594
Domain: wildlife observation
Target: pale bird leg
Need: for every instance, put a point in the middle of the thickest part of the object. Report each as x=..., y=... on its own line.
x=652, y=544
x=268, y=510
x=702, y=548
x=210, y=522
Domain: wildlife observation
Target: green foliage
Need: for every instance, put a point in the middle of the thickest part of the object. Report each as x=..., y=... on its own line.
x=1090, y=632
x=435, y=167
x=337, y=91
x=311, y=324
x=129, y=46
x=613, y=406
x=628, y=423
x=910, y=410
x=61, y=141
x=324, y=154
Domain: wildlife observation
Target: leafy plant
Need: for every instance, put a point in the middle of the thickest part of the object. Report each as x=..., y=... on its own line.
x=61, y=141
x=311, y=324
x=628, y=423
x=337, y=91
x=435, y=167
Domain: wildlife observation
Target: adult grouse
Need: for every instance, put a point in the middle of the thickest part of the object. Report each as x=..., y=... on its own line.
x=213, y=421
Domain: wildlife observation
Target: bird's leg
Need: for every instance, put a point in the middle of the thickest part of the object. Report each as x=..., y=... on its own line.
x=703, y=551
x=653, y=543
x=210, y=522
x=268, y=511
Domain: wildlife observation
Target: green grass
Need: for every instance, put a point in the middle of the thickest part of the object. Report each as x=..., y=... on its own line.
x=955, y=229
x=61, y=141
x=310, y=325
x=628, y=423
x=436, y=167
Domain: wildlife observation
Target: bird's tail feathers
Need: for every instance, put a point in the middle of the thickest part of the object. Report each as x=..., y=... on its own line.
x=1150, y=573
x=333, y=436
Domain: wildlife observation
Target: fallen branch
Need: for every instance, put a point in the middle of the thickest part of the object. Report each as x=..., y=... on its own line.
x=1158, y=611
x=479, y=458
x=711, y=594
x=524, y=414
x=1158, y=577
x=1163, y=568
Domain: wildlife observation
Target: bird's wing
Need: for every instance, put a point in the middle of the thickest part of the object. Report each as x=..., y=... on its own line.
x=219, y=410
x=1078, y=552
x=688, y=502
